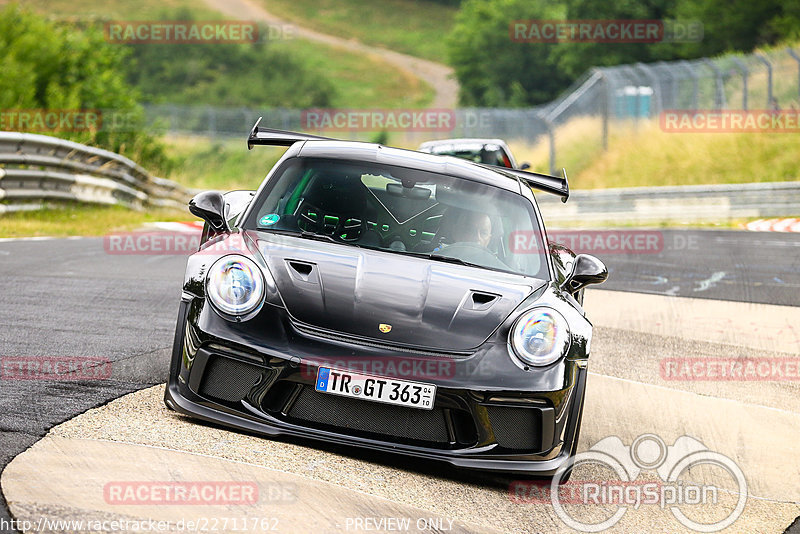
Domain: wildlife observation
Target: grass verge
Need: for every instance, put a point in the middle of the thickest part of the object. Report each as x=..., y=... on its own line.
x=647, y=156
x=80, y=220
x=225, y=165
x=118, y=9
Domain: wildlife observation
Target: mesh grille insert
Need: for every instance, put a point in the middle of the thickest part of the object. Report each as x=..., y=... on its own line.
x=229, y=380
x=516, y=428
x=370, y=417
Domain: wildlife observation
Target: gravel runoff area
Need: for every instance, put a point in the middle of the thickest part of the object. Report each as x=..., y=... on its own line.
x=141, y=418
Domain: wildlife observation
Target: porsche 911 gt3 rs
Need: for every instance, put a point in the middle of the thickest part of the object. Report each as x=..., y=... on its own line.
x=387, y=299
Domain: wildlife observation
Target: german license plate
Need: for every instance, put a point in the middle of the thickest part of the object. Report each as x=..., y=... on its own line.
x=376, y=389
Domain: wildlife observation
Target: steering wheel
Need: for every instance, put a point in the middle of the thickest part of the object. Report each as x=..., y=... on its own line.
x=312, y=219
x=472, y=253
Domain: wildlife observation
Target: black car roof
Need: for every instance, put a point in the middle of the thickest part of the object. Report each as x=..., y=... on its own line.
x=374, y=153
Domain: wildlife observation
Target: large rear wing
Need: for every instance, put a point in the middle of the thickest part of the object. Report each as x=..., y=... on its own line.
x=543, y=182
x=270, y=137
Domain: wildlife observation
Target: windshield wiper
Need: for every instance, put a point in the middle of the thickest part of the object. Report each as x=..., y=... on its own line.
x=322, y=237
x=437, y=257
x=451, y=259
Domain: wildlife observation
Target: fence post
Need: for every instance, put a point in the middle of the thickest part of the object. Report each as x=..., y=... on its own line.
x=695, y=81
x=604, y=93
x=551, y=138
x=796, y=58
x=653, y=81
x=174, y=122
x=745, y=74
x=719, y=93
x=766, y=63
x=212, y=122
x=630, y=75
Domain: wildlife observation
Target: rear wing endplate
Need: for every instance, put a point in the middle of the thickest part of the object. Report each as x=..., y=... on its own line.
x=270, y=137
x=543, y=182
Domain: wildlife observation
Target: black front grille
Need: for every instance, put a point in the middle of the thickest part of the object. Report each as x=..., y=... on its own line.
x=516, y=428
x=372, y=418
x=229, y=380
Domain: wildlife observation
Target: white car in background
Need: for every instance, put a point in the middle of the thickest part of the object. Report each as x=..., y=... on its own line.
x=488, y=151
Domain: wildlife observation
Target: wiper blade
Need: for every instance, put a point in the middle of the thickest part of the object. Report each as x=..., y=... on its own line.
x=451, y=259
x=323, y=237
x=311, y=235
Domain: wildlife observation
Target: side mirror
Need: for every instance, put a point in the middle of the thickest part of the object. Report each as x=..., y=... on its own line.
x=210, y=206
x=586, y=270
x=524, y=166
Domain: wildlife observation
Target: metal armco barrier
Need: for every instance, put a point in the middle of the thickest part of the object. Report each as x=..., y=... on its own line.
x=689, y=203
x=37, y=169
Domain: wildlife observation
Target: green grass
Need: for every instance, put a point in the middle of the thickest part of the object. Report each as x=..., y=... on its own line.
x=118, y=9
x=81, y=220
x=223, y=165
x=647, y=156
x=361, y=81
x=650, y=157
x=414, y=27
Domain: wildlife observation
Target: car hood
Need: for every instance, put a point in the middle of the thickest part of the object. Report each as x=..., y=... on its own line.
x=389, y=297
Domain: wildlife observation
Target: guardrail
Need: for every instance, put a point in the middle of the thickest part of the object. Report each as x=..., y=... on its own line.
x=690, y=203
x=35, y=169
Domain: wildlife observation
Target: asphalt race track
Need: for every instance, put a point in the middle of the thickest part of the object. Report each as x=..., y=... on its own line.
x=714, y=264
x=69, y=298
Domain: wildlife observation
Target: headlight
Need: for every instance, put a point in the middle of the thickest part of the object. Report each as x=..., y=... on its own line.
x=235, y=285
x=540, y=336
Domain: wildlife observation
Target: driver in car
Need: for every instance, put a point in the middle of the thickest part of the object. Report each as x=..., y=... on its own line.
x=473, y=227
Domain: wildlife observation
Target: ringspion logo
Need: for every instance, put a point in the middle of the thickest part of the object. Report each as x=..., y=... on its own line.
x=627, y=488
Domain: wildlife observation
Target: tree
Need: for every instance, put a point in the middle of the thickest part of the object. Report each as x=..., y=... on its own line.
x=576, y=58
x=56, y=66
x=739, y=25
x=495, y=70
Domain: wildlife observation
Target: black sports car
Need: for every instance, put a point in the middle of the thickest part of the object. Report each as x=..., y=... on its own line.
x=388, y=299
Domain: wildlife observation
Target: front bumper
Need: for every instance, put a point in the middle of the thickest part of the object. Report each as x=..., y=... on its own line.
x=271, y=393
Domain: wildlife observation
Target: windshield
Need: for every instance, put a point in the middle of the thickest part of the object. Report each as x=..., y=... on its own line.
x=402, y=211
